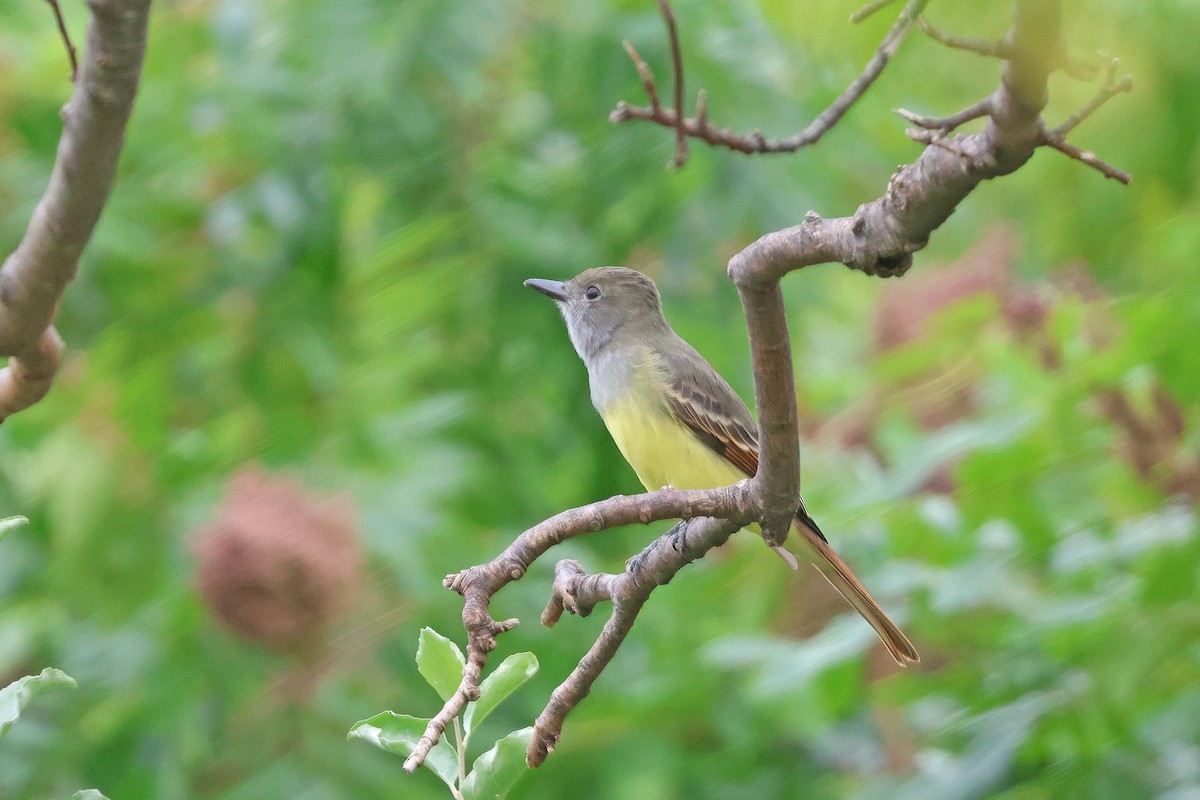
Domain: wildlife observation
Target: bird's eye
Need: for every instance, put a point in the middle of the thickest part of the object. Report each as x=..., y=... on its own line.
x=592, y=293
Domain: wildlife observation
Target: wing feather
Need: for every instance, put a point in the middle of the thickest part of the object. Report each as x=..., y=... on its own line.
x=703, y=401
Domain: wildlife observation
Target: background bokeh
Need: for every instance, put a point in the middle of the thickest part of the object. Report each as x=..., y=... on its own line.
x=307, y=285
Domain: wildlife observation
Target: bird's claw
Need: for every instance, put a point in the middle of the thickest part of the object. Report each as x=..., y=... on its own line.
x=634, y=565
x=679, y=537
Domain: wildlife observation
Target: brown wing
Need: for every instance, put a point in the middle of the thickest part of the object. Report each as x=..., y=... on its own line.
x=702, y=400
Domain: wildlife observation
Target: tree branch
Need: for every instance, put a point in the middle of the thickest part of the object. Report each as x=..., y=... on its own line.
x=947, y=124
x=479, y=584
x=869, y=9
x=34, y=276
x=628, y=592
x=1109, y=88
x=66, y=37
x=992, y=48
x=1056, y=138
x=1087, y=157
x=681, y=145
x=575, y=591
x=881, y=236
x=698, y=127
x=879, y=239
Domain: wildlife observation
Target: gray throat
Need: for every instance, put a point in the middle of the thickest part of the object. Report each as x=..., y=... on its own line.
x=610, y=376
x=615, y=354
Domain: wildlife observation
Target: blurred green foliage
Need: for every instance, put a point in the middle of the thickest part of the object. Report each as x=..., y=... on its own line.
x=313, y=259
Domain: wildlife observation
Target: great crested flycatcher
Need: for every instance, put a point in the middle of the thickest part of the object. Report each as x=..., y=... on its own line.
x=674, y=418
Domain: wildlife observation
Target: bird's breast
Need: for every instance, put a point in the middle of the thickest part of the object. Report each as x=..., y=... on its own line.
x=661, y=449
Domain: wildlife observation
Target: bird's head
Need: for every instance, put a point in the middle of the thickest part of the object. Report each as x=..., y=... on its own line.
x=605, y=305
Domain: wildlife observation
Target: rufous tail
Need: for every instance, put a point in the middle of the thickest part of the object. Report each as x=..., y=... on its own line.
x=839, y=574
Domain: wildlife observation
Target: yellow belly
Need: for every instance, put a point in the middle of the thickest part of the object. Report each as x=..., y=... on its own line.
x=663, y=451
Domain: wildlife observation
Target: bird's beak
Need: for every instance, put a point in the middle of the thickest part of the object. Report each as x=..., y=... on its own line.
x=556, y=290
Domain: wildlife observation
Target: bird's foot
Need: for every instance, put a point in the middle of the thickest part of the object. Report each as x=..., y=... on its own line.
x=679, y=536
x=633, y=566
x=677, y=539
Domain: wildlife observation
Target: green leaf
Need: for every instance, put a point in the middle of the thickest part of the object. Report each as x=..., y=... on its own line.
x=88, y=794
x=399, y=733
x=503, y=681
x=8, y=523
x=17, y=694
x=495, y=772
x=440, y=662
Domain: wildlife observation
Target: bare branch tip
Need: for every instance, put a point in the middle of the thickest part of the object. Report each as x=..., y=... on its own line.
x=700, y=128
x=1088, y=158
x=869, y=9
x=916, y=119
x=681, y=148
x=66, y=37
x=991, y=48
x=1109, y=88
x=552, y=613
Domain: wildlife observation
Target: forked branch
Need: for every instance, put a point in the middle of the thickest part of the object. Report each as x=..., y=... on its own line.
x=628, y=592
x=880, y=238
x=34, y=276
x=992, y=48
x=1004, y=48
x=1056, y=138
x=699, y=127
x=672, y=551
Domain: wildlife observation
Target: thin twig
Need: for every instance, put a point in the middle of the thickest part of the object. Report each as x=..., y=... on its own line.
x=950, y=123
x=643, y=70
x=450, y=711
x=869, y=9
x=1108, y=89
x=66, y=37
x=935, y=138
x=1087, y=157
x=993, y=48
x=681, y=146
x=1055, y=138
x=461, y=751
x=628, y=592
x=698, y=127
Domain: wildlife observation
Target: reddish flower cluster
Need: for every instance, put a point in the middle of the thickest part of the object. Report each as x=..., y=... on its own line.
x=1153, y=441
x=278, y=564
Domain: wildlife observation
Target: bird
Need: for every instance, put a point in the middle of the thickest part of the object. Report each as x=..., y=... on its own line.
x=674, y=418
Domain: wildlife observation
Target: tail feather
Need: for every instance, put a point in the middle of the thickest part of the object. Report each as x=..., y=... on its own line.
x=788, y=557
x=840, y=576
